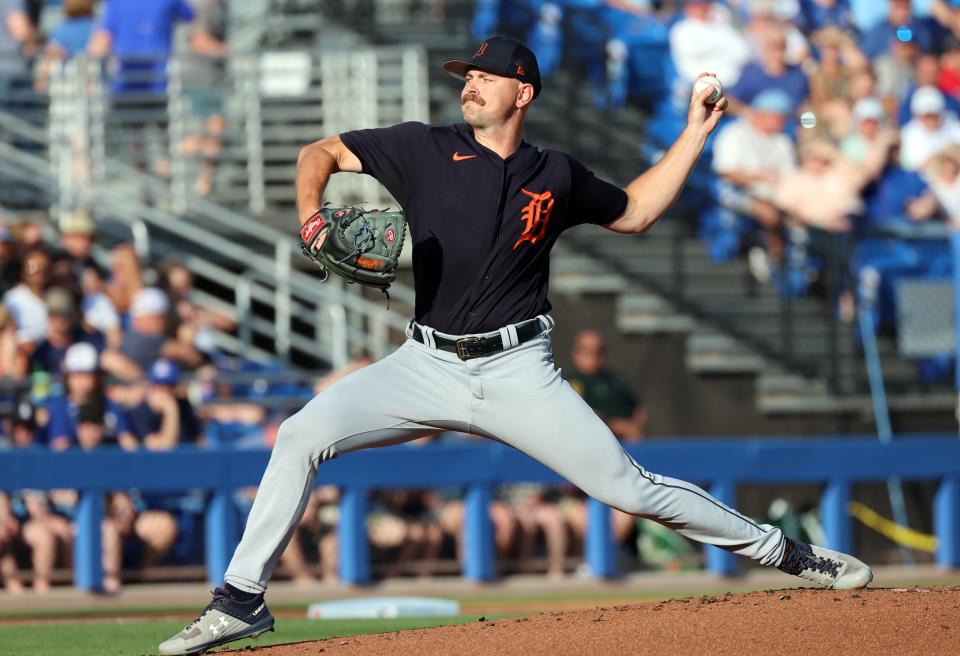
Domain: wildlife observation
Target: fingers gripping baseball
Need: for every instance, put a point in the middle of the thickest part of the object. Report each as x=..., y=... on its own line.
x=707, y=103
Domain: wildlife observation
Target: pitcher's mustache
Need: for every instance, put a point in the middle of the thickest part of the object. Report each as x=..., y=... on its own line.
x=475, y=98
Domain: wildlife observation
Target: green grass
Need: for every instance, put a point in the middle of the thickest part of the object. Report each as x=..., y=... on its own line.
x=122, y=638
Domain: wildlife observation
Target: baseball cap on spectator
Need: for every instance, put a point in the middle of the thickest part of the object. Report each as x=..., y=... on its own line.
x=149, y=301
x=59, y=301
x=503, y=56
x=772, y=100
x=927, y=100
x=164, y=372
x=77, y=223
x=868, y=109
x=80, y=358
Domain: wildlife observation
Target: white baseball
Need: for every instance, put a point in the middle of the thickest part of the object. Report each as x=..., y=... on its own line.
x=709, y=81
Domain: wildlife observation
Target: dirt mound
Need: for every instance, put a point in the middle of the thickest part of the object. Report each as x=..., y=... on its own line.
x=917, y=620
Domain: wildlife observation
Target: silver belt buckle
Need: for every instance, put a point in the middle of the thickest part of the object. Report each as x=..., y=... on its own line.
x=469, y=348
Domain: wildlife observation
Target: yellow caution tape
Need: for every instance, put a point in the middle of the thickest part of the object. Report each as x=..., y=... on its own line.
x=900, y=534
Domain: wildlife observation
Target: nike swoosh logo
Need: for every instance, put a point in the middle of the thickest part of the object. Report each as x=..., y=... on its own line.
x=457, y=157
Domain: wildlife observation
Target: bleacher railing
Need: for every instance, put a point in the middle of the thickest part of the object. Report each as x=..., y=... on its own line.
x=133, y=158
x=721, y=465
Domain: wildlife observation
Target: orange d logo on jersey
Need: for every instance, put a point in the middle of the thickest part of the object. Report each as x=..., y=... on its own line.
x=535, y=214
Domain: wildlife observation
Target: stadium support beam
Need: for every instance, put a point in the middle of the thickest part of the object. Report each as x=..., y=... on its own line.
x=719, y=561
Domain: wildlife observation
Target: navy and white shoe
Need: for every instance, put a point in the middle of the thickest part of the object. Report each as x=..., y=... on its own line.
x=224, y=620
x=825, y=567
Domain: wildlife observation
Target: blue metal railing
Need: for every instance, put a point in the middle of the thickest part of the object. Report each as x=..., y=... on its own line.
x=720, y=465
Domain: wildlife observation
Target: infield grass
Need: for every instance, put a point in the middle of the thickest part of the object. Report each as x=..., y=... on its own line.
x=127, y=638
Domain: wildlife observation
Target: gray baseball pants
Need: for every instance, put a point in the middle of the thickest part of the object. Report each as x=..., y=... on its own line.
x=517, y=397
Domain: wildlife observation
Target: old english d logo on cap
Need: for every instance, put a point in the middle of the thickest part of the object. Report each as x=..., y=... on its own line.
x=503, y=56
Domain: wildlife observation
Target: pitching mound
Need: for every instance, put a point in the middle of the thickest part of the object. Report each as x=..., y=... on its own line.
x=918, y=620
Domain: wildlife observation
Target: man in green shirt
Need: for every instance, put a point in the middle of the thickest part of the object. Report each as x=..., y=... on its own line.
x=610, y=396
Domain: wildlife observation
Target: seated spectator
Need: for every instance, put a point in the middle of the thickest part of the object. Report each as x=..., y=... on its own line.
x=895, y=72
x=930, y=130
x=25, y=301
x=193, y=324
x=401, y=523
x=751, y=154
x=900, y=25
x=18, y=43
x=64, y=331
x=767, y=15
x=868, y=117
x=67, y=39
x=163, y=418
x=926, y=74
x=317, y=528
x=76, y=239
x=99, y=313
x=83, y=384
x=9, y=538
x=13, y=363
x=947, y=13
x=771, y=72
x=146, y=340
x=126, y=277
x=607, y=393
x=824, y=192
x=47, y=534
x=942, y=173
x=830, y=84
x=701, y=42
x=898, y=195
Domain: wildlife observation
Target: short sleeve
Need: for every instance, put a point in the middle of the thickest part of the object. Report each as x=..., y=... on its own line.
x=388, y=154
x=593, y=200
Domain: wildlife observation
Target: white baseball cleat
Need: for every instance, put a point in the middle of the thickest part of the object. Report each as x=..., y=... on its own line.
x=223, y=621
x=825, y=567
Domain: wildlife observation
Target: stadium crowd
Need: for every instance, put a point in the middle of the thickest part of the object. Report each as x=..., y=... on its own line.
x=842, y=127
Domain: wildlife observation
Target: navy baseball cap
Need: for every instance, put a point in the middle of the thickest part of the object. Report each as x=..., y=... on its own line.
x=503, y=56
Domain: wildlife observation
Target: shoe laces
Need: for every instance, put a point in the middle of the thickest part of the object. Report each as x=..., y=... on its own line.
x=219, y=594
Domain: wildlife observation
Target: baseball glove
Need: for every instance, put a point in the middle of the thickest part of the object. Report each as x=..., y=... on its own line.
x=358, y=245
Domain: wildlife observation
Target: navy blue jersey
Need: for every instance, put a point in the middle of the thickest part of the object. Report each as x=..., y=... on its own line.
x=481, y=226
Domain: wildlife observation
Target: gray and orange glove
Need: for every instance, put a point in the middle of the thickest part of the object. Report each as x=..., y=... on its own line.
x=361, y=246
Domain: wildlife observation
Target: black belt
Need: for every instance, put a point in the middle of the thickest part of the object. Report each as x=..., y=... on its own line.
x=468, y=348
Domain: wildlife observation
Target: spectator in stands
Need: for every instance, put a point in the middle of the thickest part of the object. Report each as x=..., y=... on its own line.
x=898, y=195
x=949, y=78
x=824, y=192
x=193, y=323
x=25, y=301
x=47, y=534
x=145, y=341
x=318, y=526
x=751, y=154
x=947, y=14
x=162, y=417
x=204, y=74
x=9, y=261
x=774, y=15
x=943, y=175
x=140, y=35
x=702, y=42
x=830, y=84
x=771, y=72
x=895, y=72
x=931, y=129
x=610, y=396
x=99, y=313
x=926, y=74
x=13, y=363
x=868, y=118
x=83, y=385
x=899, y=26
x=68, y=39
x=402, y=523
x=9, y=538
x=18, y=43
x=64, y=331
x=76, y=239
x=817, y=14
x=126, y=277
